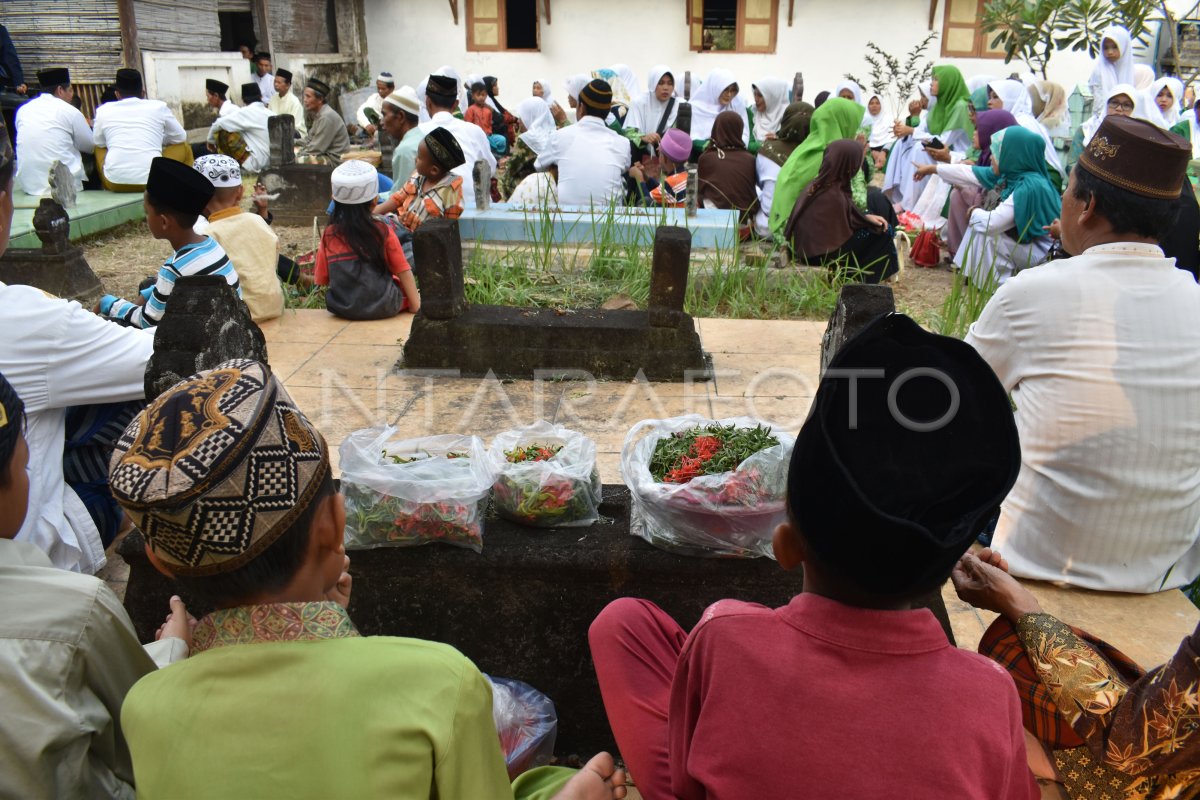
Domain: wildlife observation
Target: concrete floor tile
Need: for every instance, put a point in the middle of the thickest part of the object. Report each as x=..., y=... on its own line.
x=288, y=357
x=384, y=331
x=782, y=413
x=302, y=325
x=357, y=366
x=610, y=409
x=760, y=336
x=740, y=375
x=480, y=407
x=609, y=465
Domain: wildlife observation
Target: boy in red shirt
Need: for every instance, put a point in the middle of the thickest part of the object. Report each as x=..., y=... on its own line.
x=850, y=690
x=479, y=113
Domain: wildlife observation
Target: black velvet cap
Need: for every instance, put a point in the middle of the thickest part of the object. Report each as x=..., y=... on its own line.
x=318, y=86
x=251, y=93
x=897, y=470
x=55, y=76
x=286, y=74
x=442, y=85
x=129, y=81
x=177, y=187
x=444, y=148
x=216, y=87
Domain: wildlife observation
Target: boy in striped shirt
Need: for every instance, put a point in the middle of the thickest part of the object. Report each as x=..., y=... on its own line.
x=175, y=196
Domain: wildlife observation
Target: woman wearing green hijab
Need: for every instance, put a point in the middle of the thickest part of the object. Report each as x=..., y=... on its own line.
x=948, y=121
x=837, y=118
x=1002, y=242
x=793, y=130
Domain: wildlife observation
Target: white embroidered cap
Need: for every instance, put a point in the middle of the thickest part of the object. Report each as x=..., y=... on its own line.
x=405, y=99
x=355, y=182
x=221, y=170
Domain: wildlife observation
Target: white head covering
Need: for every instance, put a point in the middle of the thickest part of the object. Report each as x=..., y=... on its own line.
x=1143, y=76
x=647, y=111
x=979, y=81
x=1093, y=123
x=448, y=71
x=775, y=96
x=405, y=99
x=880, y=124
x=629, y=79
x=355, y=182
x=1054, y=115
x=539, y=123
x=706, y=104
x=222, y=171
x=423, y=114
x=854, y=88
x=547, y=90
x=1168, y=119
x=1107, y=75
x=575, y=84
x=926, y=88
x=1194, y=132
x=1014, y=95
x=385, y=77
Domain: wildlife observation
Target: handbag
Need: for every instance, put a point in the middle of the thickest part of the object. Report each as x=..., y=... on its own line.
x=925, y=250
x=359, y=290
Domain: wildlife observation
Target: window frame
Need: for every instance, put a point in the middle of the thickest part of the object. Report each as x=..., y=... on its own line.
x=696, y=22
x=501, y=26
x=981, y=39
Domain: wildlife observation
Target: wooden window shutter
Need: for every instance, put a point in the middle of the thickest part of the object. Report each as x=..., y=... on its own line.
x=485, y=25
x=695, y=24
x=757, y=20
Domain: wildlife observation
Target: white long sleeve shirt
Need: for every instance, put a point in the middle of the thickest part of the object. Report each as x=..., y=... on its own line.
x=251, y=122
x=49, y=130
x=1102, y=355
x=134, y=131
x=591, y=159
x=475, y=147
x=56, y=354
x=266, y=85
x=1000, y=219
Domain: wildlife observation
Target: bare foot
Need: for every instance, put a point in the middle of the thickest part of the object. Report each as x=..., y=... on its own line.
x=598, y=780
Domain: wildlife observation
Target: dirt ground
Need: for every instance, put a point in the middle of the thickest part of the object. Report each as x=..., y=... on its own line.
x=124, y=256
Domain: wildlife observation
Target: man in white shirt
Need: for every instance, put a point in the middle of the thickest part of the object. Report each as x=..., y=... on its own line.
x=590, y=157
x=285, y=102
x=217, y=95
x=243, y=135
x=58, y=355
x=50, y=129
x=441, y=95
x=385, y=84
x=263, y=76
x=132, y=132
x=1102, y=355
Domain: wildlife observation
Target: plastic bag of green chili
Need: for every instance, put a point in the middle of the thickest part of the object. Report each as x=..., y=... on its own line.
x=546, y=476
x=406, y=492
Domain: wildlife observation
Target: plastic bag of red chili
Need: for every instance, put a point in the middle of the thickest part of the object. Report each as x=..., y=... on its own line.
x=409, y=492
x=707, y=487
x=546, y=476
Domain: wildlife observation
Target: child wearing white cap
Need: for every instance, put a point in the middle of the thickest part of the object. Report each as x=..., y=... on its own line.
x=246, y=238
x=360, y=258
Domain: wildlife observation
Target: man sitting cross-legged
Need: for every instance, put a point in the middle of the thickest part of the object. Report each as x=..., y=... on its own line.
x=848, y=691
x=133, y=131
x=231, y=486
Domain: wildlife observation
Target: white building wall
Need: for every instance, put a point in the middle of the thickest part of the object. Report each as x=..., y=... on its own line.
x=411, y=38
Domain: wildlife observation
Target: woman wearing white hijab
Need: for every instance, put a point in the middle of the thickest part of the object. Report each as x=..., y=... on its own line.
x=543, y=89
x=1143, y=76
x=1052, y=111
x=1123, y=100
x=881, y=135
x=851, y=88
x=770, y=100
x=718, y=93
x=575, y=85
x=1193, y=128
x=630, y=80
x=654, y=112
x=979, y=81
x=1114, y=64
x=1014, y=97
x=537, y=126
x=1170, y=91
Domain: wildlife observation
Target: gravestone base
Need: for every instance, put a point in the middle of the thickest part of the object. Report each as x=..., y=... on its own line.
x=304, y=192
x=67, y=274
x=517, y=342
x=522, y=608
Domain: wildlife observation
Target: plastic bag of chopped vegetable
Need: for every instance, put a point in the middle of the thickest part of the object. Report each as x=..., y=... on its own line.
x=705, y=487
x=526, y=723
x=545, y=476
x=404, y=492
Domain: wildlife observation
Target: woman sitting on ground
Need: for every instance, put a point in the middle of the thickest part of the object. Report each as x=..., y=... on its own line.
x=966, y=198
x=543, y=89
x=726, y=169
x=880, y=133
x=654, y=112
x=719, y=93
x=1122, y=100
x=826, y=226
x=1015, y=235
x=770, y=101
x=793, y=130
x=535, y=125
x=1016, y=99
x=360, y=258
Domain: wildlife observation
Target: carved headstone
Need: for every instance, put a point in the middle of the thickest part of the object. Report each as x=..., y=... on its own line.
x=798, y=87
x=387, y=148
x=57, y=267
x=669, y=274
x=683, y=118
x=62, y=185
x=482, y=175
x=693, y=190
x=437, y=260
x=204, y=325
x=857, y=306
x=281, y=128
x=687, y=85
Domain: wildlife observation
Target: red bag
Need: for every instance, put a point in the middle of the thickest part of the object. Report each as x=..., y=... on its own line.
x=925, y=250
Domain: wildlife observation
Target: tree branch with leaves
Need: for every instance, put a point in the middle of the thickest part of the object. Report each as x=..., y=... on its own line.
x=895, y=81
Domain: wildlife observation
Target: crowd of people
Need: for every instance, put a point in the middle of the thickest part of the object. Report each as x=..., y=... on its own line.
x=1063, y=433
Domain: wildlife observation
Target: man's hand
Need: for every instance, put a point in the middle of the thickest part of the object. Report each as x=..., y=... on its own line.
x=1054, y=229
x=983, y=581
x=340, y=593
x=179, y=624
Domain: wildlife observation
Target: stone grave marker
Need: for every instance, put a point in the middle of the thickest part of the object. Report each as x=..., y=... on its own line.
x=858, y=304
x=57, y=267
x=62, y=185
x=482, y=175
x=304, y=189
